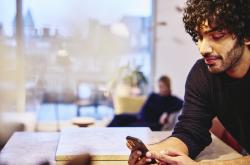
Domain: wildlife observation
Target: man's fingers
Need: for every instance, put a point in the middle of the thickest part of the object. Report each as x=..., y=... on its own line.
x=142, y=161
x=134, y=157
x=161, y=157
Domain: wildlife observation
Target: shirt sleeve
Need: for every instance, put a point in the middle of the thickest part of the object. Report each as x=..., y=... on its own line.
x=195, y=121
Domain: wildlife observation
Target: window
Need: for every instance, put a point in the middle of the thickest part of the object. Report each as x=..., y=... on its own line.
x=66, y=42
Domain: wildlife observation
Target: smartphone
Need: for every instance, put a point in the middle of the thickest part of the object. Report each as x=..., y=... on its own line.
x=137, y=144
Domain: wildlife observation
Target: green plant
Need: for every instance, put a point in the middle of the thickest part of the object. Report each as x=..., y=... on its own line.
x=135, y=77
x=131, y=76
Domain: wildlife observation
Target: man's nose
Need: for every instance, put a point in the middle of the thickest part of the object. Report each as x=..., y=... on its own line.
x=205, y=47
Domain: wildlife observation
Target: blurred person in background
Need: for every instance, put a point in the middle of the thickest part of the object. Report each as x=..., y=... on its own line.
x=158, y=112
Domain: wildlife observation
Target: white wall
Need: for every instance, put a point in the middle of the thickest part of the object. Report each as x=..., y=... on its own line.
x=175, y=52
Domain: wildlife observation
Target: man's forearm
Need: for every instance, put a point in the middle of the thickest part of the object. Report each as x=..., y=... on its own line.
x=173, y=143
x=239, y=161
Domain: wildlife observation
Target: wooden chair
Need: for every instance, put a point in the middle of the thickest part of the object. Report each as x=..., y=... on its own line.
x=128, y=104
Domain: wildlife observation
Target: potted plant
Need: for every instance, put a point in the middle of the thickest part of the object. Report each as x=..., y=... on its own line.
x=129, y=81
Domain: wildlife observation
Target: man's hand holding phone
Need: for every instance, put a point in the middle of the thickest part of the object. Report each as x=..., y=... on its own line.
x=138, y=152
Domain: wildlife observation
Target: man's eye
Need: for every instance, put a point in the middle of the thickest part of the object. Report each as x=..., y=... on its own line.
x=217, y=36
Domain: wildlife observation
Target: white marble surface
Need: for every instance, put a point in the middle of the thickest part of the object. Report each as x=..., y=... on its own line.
x=26, y=148
x=101, y=143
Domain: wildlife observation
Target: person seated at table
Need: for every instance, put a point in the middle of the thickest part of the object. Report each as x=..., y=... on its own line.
x=156, y=111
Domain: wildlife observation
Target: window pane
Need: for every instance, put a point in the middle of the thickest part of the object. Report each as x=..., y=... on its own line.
x=70, y=42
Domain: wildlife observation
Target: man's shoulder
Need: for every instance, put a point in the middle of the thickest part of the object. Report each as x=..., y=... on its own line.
x=199, y=76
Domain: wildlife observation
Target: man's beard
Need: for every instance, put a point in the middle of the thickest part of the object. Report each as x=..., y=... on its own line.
x=229, y=61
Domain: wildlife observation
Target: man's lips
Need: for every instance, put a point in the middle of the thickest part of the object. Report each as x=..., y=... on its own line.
x=211, y=59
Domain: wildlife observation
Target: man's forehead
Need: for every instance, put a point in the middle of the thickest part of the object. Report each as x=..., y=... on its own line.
x=205, y=27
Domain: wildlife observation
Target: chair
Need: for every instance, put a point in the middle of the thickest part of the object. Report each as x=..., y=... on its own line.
x=172, y=120
x=128, y=104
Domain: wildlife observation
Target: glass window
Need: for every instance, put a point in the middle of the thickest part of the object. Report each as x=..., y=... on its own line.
x=66, y=43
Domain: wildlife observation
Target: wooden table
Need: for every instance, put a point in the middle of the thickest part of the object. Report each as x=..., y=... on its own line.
x=27, y=148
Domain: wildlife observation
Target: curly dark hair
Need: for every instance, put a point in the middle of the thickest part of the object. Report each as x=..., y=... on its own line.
x=232, y=15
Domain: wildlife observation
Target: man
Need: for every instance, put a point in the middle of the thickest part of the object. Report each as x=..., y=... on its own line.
x=218, y=85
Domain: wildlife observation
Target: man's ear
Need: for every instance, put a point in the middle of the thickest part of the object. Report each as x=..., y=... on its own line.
x=247, y=42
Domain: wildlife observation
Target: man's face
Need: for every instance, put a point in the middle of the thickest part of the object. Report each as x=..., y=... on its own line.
x=219, y=48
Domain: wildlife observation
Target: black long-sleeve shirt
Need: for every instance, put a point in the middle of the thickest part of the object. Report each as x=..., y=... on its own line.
x=208, y=95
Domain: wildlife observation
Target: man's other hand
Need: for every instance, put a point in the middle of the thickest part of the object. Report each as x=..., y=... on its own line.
x=170, y=156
